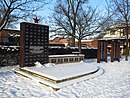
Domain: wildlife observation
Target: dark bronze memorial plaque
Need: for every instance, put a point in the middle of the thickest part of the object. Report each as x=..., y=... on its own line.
x=102, y=51
x=34, y=40
x=115, y=50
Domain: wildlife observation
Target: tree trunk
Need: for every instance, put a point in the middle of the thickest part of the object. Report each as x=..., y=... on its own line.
x=127, y=30
x=73, y=42
x=79, y=46
x=127, y=50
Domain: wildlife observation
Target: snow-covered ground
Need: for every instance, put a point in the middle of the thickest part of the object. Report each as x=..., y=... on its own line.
x=114, y=83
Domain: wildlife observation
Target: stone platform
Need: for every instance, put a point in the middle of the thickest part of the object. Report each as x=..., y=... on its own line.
x=61, y=75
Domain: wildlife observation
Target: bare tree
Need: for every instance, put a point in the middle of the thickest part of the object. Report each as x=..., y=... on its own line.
x=14, y=10
x=84, y=22
x=122, y=16
x=65, y=15
x=87, y=24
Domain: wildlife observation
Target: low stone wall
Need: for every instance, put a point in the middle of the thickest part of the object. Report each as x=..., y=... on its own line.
x=70, y=58
x=88, y=52
x=9, y=56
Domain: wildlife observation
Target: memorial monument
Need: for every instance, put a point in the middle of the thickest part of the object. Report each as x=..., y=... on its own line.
x=34, y=40
x=103, y=50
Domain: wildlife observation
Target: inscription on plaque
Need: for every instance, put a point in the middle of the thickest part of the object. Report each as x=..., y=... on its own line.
x=36, y=49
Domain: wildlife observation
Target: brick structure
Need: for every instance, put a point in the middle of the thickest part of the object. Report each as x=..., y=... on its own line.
x=103, y=50
x=91, y=43
x=34, y=40
x=5, y=33
x=59, y=40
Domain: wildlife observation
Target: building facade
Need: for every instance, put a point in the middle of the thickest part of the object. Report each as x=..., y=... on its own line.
x=116, y=32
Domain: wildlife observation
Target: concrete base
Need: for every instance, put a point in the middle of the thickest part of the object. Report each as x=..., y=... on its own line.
x=61, y=75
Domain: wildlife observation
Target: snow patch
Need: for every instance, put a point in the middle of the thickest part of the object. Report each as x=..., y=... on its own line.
x=38, y=64
x=49, y=64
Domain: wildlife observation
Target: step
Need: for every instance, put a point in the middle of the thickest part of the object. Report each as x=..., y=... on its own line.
x=57, y=86
x=62, y=72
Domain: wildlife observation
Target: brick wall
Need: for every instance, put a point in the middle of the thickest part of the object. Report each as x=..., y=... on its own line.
x=92, y=43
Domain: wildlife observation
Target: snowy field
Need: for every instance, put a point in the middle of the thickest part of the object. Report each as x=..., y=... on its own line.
x=114, y=83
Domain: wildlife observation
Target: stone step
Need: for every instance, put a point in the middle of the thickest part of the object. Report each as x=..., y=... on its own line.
x=54, y=84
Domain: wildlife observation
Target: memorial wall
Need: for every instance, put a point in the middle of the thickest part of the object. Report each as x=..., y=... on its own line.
x=34, y=40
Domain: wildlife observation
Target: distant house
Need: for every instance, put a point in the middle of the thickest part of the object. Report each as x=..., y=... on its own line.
x=116, y=31
x=6, y=33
